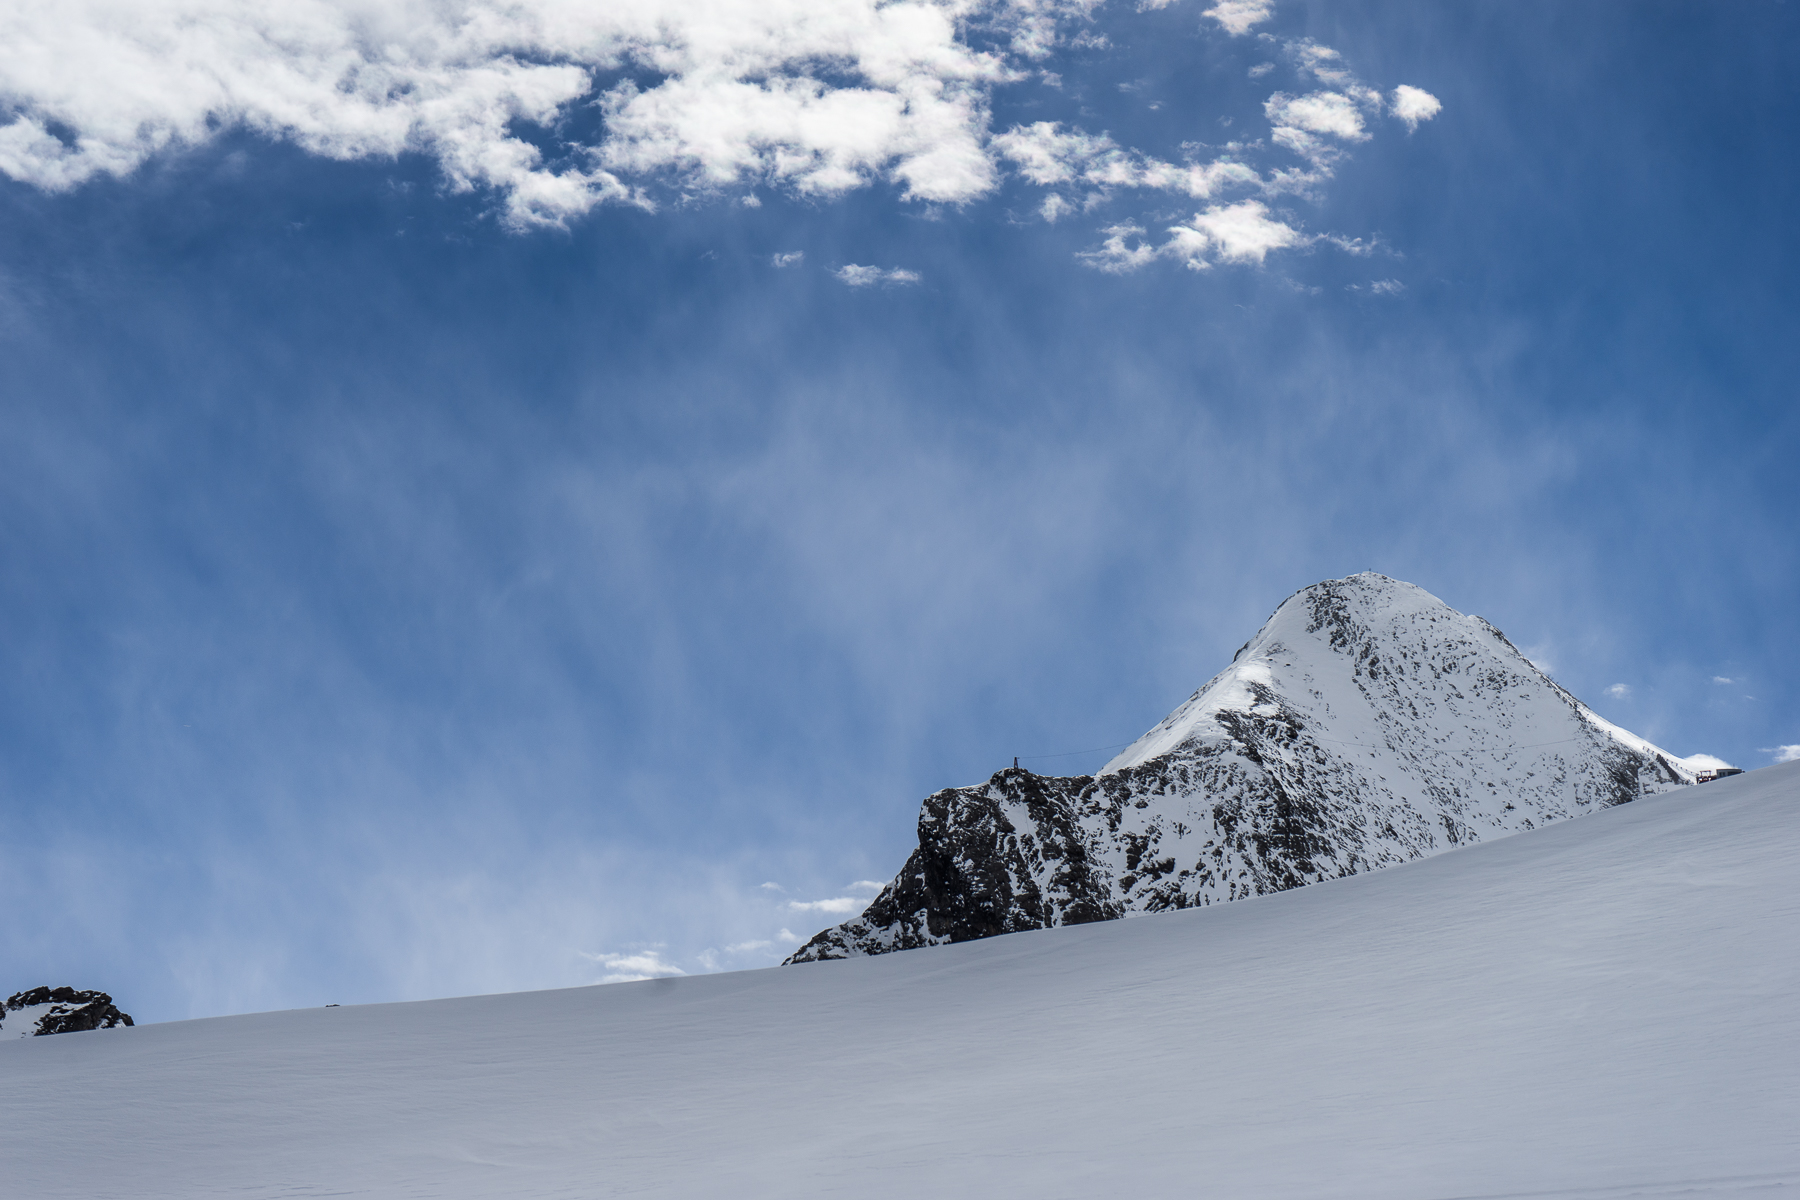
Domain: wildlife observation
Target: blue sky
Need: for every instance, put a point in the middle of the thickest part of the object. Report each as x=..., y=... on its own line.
x=465, y=525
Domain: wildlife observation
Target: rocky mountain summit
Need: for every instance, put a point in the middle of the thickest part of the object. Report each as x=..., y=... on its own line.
x=46, y=1010
x=1366, y=724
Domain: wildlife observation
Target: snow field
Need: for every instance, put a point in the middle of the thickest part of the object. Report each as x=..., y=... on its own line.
x=1604, y=1007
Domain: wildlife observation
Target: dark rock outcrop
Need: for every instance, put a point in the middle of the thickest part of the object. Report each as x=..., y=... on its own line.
x=46, y=1010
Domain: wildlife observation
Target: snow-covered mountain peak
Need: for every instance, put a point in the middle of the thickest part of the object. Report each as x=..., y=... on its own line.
x=1308, y=637
x=1366, y=723
x=1374, y=659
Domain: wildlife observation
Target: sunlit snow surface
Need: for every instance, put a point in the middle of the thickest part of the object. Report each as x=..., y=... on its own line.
x=1605, y=1007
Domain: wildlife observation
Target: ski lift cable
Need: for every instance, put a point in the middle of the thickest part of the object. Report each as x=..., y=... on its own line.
x=1073, y=753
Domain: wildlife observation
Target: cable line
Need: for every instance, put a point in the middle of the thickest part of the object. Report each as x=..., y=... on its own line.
x=1073, y=753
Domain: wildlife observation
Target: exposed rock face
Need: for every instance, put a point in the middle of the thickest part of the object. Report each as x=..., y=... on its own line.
x=47, y=1010
x=1368, y=723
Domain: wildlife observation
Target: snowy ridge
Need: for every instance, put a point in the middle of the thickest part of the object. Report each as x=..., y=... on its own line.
x=1366, y=724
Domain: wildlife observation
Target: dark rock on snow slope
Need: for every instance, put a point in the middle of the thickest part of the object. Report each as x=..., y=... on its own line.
x=58, y=1010
x=1366, y=724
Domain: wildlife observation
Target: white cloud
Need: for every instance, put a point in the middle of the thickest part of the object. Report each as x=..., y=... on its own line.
x=791, y=259
x=640, y=964
x=1320, y=154
x=859, y=276
x=837, y=905
x=1321, y=62
x=1238, y=17
x=1330, y=113
x=1703, y=762
x=1619, y=691
x=1414, y=105
x=771, y=886
x=1722, y=679
x=1317, y=125
x=816, y=97
x=819, y=95
x=1124, y=250
x=867, y=885
x=1261, y=69
x=1048, y=156
x=1787, y=754
x=1241, y=233
x=1236, y=233
x=1360, y=249
x=787, y=935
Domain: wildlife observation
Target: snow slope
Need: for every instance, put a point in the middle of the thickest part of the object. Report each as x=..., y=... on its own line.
x=1366, y=724
x=1601, y=1008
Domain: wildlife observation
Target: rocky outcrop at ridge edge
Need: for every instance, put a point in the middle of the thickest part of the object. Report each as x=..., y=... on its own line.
x=46, y=1010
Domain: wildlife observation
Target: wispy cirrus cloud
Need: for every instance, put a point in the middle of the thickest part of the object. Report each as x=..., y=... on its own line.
x=635, y=965
x=749, y=947
x=835, y=906
x=861, y=276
